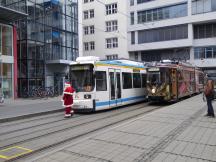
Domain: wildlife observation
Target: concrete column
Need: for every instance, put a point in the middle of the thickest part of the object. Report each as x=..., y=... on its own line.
x=190, y=33
x=189, y=7
x=192, y=56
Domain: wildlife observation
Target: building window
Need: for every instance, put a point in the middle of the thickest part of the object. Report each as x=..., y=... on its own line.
x=162, y=13
x=108, y=26
x=205, y=52
x=203, y=6
x=136, y=80
x=92, y=45
x=91, y=13
x=111, y=25
x=115, y=42
x=86, y=30
x=204, y=31
x=144, y=77
x=92, y=29
x=6, y=40
x=136, y=56
x=163, y=34
x=127, y=80
x=85, y=13
x=101, y=81
x=115, y=25
x=86, y=46
x=112, y=57
x=6, y=79
x=131, y=2
x=132, y=18
x=108, y=43
x=111, y=9
x=86, y=1
x=143, y=1
x=133, y=37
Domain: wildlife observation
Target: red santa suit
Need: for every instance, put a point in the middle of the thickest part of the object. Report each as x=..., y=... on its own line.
x=68, y=99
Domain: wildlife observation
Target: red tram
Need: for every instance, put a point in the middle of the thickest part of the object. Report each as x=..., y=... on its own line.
x=171, y=80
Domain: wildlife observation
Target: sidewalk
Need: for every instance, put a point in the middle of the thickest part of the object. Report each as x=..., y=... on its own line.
x=20, y=108
x=179, y=132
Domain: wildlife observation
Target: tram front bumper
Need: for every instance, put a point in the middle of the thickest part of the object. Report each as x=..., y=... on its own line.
x=156, y=98
x=83, y=105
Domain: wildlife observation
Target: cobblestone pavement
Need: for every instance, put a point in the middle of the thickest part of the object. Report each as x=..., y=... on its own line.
x=12, y=109
x=178, y=132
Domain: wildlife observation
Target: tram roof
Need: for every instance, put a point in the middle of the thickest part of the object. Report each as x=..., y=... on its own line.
x=170, y=64
x=128, y=63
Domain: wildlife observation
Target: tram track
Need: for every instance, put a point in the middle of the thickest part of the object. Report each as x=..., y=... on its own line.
x=83, y=127
x=100, y=116
x=76, y=117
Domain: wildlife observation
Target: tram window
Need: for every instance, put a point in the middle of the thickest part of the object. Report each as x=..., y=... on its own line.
x=127, y=80
x=101, y=81
x=143, y=80
x=201, y=79
x=136, y=80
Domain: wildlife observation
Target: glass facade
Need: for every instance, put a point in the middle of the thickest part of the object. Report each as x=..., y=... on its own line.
x=17, y=5
x=163, y=34
x=182, y=54
x=6, y=48
x=205, y=52
x=157, y=14
x=49, y=33
x=204, y=31
x=203, y=6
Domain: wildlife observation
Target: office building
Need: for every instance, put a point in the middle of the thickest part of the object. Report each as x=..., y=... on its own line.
x=173, y=29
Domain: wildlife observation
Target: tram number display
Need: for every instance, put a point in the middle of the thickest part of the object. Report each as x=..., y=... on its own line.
x=136, y=70
x=153, y=69
x=80, y=67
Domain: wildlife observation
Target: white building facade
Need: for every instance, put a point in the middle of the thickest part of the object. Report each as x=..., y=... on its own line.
x=173, y=29
x=104, y=29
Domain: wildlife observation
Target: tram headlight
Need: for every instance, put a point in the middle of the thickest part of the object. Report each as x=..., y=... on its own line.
x=87, y=96
x=153, y=90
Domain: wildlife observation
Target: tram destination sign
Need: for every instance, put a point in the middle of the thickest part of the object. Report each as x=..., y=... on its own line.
x=80, y=67
x=154, y=69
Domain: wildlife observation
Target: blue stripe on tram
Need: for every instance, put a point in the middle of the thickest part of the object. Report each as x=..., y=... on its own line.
x=111, y=102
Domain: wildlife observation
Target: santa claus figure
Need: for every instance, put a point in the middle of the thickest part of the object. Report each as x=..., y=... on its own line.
x=68, y=99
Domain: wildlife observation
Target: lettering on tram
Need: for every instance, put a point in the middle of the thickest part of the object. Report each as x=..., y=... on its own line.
x=170, y=81
x=107, y=84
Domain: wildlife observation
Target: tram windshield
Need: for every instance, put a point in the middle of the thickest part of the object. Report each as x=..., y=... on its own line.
x=81, y=77
x=158, y=77
x=153, y=77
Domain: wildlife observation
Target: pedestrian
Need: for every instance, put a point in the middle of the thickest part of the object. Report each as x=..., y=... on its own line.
x=68, y=99
x=209, y=93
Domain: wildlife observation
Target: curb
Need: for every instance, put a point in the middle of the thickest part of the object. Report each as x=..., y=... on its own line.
x=29, y=115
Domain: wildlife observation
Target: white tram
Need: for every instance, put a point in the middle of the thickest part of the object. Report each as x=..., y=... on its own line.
x=107, y=84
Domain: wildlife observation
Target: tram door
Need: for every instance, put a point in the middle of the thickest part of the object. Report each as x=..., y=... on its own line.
x=174, y=82
x=115, y=87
